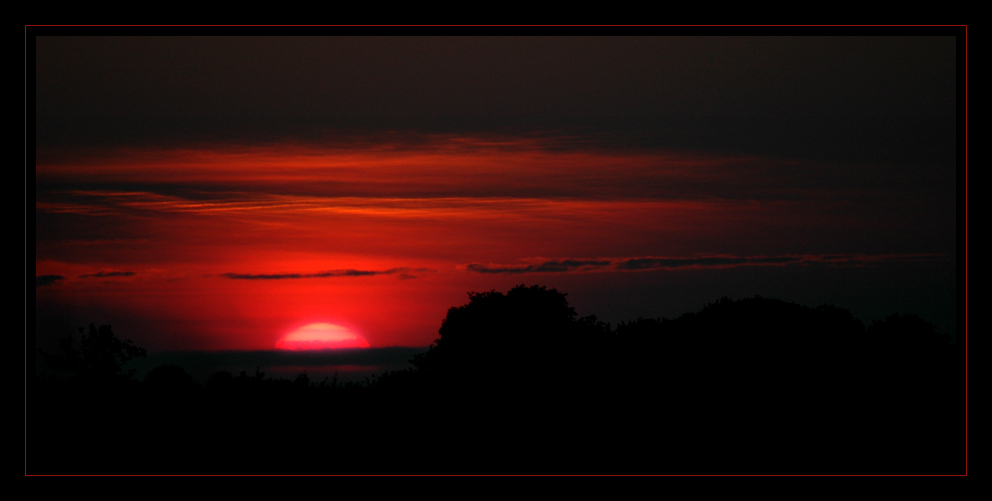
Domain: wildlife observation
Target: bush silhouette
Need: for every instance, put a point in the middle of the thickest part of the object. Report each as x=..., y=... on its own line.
x=170, y=379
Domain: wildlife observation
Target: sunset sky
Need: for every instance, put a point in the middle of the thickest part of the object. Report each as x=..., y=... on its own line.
x=216, y=193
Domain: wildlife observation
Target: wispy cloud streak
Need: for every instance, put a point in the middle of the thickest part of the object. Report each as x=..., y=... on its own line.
x=694, y=262
x=108, y=274
x=647, y=263
x=403, y=273
x=554, y=266
x=445, y=166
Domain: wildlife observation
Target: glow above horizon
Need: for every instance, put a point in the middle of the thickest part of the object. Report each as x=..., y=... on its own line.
x=223, y=247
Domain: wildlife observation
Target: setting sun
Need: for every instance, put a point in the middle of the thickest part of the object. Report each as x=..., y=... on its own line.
x=321, y=336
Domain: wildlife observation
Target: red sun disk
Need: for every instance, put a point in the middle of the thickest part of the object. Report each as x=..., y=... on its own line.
x=321, y=336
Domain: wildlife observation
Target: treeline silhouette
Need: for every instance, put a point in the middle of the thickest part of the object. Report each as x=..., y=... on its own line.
x=518, y=383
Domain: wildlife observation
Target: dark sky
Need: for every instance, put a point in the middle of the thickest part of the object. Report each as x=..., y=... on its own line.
x=645, y=176
x=849, y=97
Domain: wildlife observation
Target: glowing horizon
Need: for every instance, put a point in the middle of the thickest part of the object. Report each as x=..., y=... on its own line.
x=222, y=246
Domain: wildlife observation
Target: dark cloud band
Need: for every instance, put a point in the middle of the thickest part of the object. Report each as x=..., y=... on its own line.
x=556, y=266
x=109, y=274
x=403, y=273
x=656, y=263
x=46, y=280
x=705, y=262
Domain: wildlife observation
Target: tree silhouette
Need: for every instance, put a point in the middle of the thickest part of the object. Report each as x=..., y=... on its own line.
x=503, y=339
x=100, y=359
x=754, y=385
x=906, y=334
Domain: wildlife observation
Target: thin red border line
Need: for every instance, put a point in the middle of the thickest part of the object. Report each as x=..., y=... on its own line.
x=966, y=249
x=25, y=249
x=498, y=25
x=965, y=236
x=502, y=475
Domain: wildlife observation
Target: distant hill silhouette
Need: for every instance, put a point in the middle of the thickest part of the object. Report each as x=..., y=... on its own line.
x=518, y=383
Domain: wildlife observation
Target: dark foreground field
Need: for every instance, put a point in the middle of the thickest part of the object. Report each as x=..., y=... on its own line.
x=517, y=384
